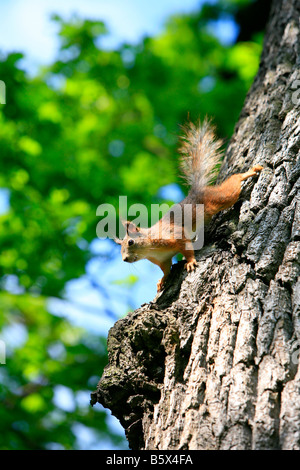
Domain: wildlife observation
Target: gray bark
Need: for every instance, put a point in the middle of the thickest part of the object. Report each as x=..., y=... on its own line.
x=213, y=362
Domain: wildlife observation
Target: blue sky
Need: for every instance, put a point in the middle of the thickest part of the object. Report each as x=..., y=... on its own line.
x=26, y=24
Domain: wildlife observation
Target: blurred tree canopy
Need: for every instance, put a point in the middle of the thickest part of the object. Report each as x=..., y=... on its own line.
x=94, y=125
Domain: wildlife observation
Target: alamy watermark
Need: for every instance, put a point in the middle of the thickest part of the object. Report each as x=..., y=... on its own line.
x=2, y=92
x=296, y=95
x=179, y=222
x=2, y=352
x=295, y=352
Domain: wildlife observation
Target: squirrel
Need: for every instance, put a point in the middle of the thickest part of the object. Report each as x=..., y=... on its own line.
x=200, y=158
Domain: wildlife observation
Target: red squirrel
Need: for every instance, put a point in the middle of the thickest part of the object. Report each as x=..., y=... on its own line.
x=200, y=156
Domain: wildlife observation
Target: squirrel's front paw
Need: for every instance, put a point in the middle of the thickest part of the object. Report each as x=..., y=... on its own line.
x=191, y=265
x=160, y=285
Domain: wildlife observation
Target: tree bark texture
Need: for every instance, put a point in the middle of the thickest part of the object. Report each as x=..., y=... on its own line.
x=213, y=361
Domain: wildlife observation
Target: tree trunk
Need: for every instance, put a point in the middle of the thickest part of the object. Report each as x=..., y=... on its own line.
x=212, y=363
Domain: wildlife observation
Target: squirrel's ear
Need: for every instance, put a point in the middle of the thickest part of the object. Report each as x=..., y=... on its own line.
x=131, y=227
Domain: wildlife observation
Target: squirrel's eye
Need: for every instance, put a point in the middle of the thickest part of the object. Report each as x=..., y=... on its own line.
x=130, y=242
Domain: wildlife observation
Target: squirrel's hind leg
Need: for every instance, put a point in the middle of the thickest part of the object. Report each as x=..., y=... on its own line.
x=253, y=172
x=225, y=195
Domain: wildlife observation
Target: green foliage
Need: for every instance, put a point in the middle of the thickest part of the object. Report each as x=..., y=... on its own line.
x=94, y=125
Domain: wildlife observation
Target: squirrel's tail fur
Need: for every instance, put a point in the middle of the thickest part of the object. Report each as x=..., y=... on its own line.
x=200, y=154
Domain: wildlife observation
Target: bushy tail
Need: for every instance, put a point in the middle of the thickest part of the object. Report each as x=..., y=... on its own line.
x=200, y=154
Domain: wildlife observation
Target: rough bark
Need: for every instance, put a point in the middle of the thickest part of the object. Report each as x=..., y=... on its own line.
x=212, y=362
